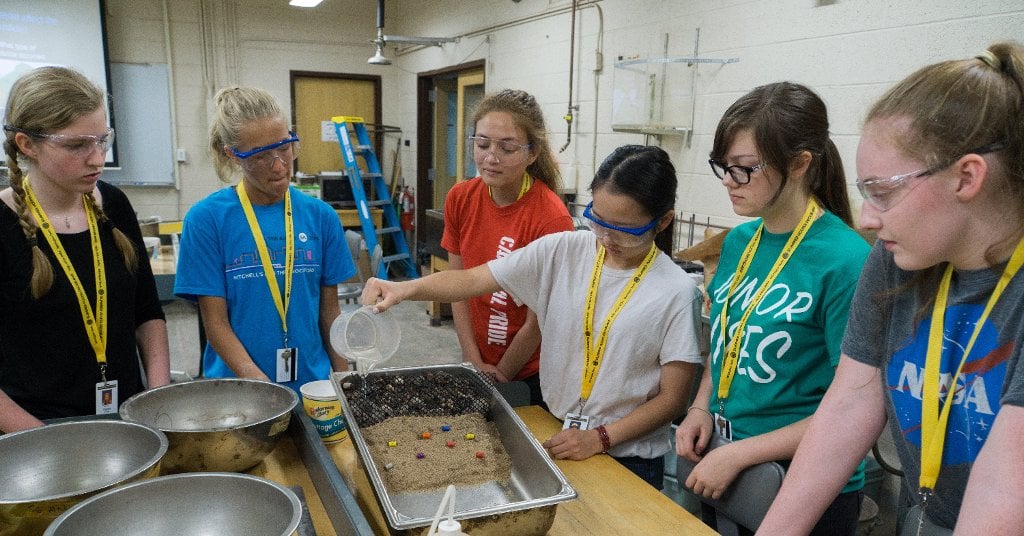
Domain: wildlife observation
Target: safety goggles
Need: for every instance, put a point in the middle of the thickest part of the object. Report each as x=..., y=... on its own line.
x=506, y=151
x=264, y=157
x=885, y=193
x=615, y=234
x=76, y=144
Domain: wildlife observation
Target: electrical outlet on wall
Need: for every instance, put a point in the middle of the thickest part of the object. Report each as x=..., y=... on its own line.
x=180, y=155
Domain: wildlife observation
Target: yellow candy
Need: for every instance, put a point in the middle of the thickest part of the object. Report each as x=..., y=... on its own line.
x=470, y=436
x=392, y=443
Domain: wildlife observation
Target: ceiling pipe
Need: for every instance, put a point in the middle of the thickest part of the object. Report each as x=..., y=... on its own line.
x=381, y=40
x=378, y=58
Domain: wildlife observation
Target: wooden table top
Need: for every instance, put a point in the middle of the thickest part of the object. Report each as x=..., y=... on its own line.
x=284, y=466
x=164, y=264
x=611, y=499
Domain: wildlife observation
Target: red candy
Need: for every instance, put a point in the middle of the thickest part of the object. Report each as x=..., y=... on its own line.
x=480, y=454
x=450, y=444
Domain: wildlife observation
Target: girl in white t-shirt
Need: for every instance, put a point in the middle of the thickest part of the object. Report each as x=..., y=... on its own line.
x=618, y=383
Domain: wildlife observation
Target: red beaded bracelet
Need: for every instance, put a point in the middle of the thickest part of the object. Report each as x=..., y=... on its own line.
x=606, y=442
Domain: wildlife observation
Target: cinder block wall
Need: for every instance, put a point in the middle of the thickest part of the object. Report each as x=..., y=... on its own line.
x=850, y=51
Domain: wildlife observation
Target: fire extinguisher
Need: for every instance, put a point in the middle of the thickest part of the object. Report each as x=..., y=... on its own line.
x=408, y=209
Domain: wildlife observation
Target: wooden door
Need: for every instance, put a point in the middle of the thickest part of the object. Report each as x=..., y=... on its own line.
x=316, y=97
x=454, y=102
x=471, y=92
x=444, y=118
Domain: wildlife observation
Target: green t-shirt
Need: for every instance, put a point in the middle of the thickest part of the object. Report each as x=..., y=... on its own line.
x=791, y=344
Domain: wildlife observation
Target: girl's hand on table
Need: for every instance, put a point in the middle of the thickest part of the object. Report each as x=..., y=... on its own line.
x=574, y=444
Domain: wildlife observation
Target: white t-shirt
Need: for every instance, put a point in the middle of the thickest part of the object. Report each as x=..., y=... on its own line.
x=659, y=324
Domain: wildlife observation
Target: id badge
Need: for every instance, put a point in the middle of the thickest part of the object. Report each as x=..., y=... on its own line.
x=106, y=397
x=576, y=420
x=286, y=361
x=723, y=426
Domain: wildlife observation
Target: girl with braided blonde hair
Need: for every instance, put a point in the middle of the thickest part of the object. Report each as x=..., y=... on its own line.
x=70, y=250
x=933, y=344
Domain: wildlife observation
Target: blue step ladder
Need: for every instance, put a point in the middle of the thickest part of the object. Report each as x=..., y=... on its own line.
x=391, y=225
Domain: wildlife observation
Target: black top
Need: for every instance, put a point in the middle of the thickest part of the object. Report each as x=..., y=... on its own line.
x=46, y=363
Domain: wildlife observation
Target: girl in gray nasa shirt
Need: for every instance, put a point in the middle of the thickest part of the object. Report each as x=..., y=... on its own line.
x=932, y=342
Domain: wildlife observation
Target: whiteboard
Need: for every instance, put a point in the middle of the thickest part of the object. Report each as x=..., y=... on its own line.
x=142, y=119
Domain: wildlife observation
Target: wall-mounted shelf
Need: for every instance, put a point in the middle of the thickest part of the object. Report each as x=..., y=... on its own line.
x=654, y=96
x=673, y=59
x=655, y=130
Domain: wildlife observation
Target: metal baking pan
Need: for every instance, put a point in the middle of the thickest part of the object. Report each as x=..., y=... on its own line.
x=526, y=505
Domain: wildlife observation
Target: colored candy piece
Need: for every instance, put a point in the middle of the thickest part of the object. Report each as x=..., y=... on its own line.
x=450, y=444
x=446, y=428
x=425, y=435
x=470, y=436
x=420, y=455
x=480, y=454
x=392, y=443
x=388, y=466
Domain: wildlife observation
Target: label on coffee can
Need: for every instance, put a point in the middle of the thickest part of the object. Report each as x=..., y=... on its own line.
x=324, y=409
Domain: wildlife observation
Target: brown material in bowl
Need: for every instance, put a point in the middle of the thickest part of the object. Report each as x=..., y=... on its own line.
x=46, y=470
x=227, y=424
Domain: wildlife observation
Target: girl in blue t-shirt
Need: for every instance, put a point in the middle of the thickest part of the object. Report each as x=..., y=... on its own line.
x=262, y=259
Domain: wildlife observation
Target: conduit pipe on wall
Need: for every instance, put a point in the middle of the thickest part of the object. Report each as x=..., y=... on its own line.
x=572, y=49
x=581, y=4
x=170, y=92
x=599, y=55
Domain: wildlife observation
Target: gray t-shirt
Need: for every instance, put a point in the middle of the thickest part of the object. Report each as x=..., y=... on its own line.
x=889, y=324
x=659, y=324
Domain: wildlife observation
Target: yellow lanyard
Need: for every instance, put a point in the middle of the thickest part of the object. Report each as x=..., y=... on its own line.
x=933, y=424
x=594, y=355
x=95, y=323
x=268, y=267
x=731, y=360
x=527, y=182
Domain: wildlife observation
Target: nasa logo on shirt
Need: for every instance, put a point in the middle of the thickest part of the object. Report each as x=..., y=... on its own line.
x=303, y=237
x=975, y=391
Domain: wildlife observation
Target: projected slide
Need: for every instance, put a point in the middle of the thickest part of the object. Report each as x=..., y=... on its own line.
x=34, y=34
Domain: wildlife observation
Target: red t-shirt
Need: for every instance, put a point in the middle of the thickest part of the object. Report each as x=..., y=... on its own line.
x=478, y=230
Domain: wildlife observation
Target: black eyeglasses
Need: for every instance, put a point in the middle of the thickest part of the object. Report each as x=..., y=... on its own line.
x=739, y=174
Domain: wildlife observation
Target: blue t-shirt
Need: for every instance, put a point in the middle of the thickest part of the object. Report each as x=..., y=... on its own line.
x=218, y=257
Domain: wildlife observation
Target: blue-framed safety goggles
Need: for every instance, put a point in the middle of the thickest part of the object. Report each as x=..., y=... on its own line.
x=635, y=231
x=292, y=138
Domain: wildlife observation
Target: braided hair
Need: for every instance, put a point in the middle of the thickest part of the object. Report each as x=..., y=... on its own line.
x=43, y=100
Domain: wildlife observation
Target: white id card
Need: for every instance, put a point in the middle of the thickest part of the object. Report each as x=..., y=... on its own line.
x=576, y=420
x=286, y=360
x=106, y=397
x=723, y=426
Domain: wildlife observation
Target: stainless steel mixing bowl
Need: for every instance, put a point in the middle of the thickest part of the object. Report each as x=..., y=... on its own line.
x=226, y=504
x=44, y=471
x=227, y=424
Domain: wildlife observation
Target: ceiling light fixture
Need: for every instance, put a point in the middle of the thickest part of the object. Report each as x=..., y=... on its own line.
x=381, y=40
x=304, y=3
